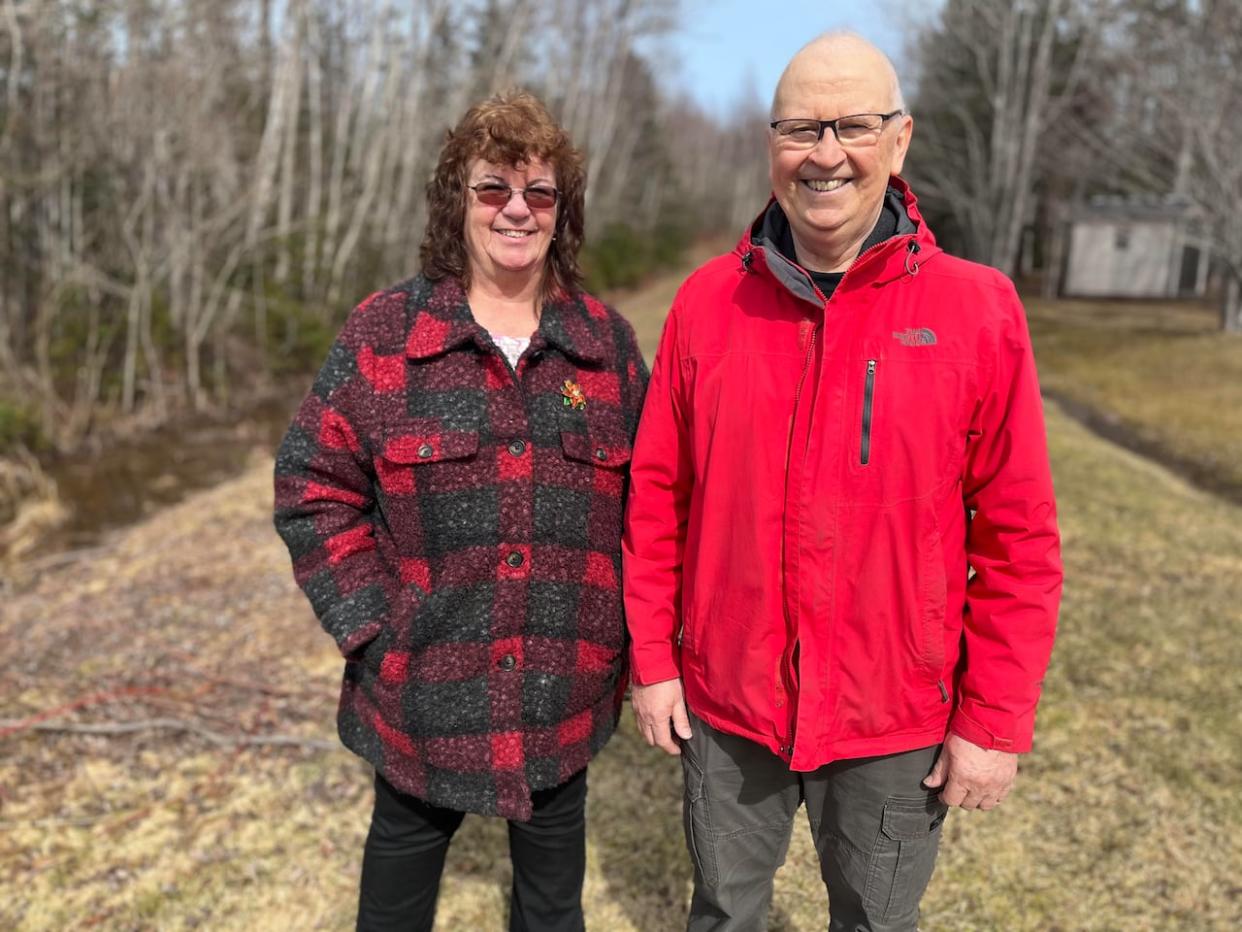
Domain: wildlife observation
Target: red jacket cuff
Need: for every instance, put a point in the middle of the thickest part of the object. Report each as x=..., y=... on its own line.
x=1015, y=738
x=654, y=664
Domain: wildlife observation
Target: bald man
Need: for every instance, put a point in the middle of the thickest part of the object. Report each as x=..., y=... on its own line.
x=843, y=423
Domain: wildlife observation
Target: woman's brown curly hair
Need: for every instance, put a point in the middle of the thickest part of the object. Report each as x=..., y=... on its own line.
x=507, y=128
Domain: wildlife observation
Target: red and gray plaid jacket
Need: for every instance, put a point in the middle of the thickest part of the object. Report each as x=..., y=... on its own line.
x=456, y=526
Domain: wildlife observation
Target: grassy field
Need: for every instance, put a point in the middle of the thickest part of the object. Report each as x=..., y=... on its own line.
x=1127, y=816
x=1162, y=378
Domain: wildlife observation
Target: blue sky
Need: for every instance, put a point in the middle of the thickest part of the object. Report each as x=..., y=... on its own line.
x=733, y=49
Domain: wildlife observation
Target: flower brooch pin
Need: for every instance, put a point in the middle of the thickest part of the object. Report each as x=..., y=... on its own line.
x=571, y=392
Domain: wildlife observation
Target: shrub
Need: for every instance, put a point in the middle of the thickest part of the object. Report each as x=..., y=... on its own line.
x=299, y=334
x=621, y=257
x=19, y=427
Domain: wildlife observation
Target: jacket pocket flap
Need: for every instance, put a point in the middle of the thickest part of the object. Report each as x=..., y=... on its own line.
x=410, y=449
x=912, y=819
x=595, y=450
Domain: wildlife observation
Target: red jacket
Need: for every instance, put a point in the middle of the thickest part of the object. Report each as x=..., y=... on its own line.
x=812, y=483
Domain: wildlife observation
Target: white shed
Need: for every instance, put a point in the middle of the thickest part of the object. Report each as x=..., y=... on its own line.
x=1137, y=247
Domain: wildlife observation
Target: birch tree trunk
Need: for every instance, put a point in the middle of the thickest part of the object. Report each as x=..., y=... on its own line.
x=314, y=156
x=289, y=145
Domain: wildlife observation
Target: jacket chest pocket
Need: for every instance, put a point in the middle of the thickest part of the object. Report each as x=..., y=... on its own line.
x=580, y=497
x=593, y=436
x=601, y=450
x=437, y=491
x=905, y=426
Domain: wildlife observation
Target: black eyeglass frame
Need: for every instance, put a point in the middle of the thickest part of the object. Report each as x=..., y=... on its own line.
x=498, y=185
x=825, y=124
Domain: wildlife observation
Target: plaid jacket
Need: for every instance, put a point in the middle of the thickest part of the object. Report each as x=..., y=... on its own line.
x=456, y=526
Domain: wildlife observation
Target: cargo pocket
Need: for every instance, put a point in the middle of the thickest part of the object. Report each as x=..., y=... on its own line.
x=904, y=855
x=697, y=821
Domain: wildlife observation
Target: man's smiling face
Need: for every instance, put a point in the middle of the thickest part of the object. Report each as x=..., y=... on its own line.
x=830, y=193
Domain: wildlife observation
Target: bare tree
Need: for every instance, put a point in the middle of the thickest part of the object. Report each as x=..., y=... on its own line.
x=994, y=76
x=1203, y=105
x=1159, y=120
x=181, y=178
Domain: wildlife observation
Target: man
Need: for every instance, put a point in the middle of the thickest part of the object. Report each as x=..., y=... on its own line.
x=842, y=422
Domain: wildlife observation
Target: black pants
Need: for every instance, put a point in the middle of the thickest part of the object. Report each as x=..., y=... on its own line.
x=404, y=858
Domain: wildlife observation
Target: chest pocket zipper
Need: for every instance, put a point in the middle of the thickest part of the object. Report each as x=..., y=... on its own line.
x=864, y=451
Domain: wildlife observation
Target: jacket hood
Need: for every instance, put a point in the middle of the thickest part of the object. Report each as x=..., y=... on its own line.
x=900, y=254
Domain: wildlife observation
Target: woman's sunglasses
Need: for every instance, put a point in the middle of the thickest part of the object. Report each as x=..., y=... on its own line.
x=497, y=194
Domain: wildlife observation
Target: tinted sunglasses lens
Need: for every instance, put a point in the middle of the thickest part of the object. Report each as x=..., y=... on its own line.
x=541, y=198
x=493, y=195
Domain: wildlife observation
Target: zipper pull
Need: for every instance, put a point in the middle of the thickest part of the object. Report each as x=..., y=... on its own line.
x=912, y=267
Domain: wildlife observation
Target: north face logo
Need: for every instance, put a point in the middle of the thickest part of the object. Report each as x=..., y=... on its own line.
x=922, y=336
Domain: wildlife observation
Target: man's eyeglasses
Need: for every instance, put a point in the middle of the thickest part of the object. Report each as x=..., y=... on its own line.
x=860, y=129
x=497, y=194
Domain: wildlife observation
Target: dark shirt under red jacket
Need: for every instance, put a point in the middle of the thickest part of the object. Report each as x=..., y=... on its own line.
x=456, y=525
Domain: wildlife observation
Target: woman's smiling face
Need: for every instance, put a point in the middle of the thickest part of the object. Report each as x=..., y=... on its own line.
x=506, y=242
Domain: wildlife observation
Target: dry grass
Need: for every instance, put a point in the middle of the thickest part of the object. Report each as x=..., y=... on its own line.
x=647, y=306
x=1128, y=814
x=1162, y=374
x=30, y=507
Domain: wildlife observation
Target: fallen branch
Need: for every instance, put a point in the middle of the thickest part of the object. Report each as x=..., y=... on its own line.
x=192, y=669
x=55, y=561
x=171, y=724
x=12, y=726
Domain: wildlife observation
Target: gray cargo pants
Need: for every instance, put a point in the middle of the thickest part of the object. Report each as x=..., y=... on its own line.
x=875, y=828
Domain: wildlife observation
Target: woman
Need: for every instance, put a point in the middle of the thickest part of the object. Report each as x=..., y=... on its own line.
x=451, y=493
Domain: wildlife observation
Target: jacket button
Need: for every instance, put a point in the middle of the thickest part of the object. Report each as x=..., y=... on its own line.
x=426, y=450
x=517, y=447
x=515, y=559
x=601, y=454
x=507, y=662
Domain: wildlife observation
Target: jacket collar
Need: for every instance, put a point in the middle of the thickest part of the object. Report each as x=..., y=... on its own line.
x=887, y=261
x=568, y=324
x=442, y=319
x=443, y=322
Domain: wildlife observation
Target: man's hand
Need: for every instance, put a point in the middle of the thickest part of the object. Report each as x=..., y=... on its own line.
x=972, y=777
x=654, y=705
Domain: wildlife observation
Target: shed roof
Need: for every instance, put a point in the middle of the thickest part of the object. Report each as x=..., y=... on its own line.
x=1132, y=207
